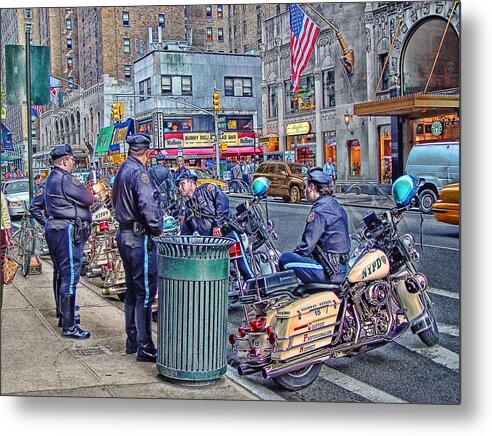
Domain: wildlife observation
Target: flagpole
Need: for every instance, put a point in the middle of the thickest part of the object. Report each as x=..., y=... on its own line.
x=29, y=114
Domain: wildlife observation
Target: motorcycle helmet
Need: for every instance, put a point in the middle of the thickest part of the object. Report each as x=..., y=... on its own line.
x=404, y=189
x=169, y=224
x=260, y=186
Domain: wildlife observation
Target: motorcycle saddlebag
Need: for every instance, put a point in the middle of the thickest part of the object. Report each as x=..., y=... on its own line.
x=271, y=283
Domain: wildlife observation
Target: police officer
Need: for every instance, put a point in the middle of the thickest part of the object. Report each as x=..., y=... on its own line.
x=163, y=180
x=207, y=214
x=322, y=254
x=138, y=210
x=67, y=229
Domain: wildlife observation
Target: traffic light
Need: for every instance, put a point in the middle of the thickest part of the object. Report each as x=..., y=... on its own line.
x=216, y=101
x=122, y=109
x=115, y=111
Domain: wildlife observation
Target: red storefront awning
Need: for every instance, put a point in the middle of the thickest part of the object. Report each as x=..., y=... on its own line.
x=202, y=151
x=234, y=151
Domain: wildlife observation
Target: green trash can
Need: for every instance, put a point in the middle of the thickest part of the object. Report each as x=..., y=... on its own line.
x=193, y=279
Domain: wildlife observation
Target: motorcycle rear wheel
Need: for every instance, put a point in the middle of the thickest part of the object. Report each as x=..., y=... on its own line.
x=297, y=380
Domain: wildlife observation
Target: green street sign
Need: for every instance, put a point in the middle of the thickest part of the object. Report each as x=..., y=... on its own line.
x=15, y=77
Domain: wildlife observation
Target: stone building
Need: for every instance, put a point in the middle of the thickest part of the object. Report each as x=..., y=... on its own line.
x=339, y=111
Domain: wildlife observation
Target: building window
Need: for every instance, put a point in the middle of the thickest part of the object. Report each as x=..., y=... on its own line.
x=70, y=63
x=143, y=87
x=128, y=71
x=245, y=27
x=386, y=75
x=209, y=11
x=238, y=86
x=166, y=85
x=354, y=157
x=220, y=34
x=126, y=18
x=186, y=88
x=69, y=43
x=304, y=99
x=273, y=100
x=162, y=20
x=209, y=34
x=126, y=45
x=329, y=88
x=68, y=24
x=220, y=12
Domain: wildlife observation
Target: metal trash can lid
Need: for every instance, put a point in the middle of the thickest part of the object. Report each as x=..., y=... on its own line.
x=194, y=247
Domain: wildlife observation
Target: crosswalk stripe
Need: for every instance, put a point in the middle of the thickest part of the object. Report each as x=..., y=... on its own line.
x=437, y=353
x=357, y=387
x=447, y=329
x=444, y=293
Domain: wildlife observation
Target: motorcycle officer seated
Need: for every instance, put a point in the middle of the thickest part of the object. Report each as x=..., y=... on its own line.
x=322, y=254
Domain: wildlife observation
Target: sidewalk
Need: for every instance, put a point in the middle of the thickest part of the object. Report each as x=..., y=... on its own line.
x=37, y=361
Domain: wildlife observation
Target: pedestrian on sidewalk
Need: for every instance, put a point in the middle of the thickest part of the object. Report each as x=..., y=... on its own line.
x=330, y=171
x=138, y=211
x=6, y=240
x=67, y=229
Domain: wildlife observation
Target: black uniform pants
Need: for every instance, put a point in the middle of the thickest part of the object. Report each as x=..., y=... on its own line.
x=140, y=265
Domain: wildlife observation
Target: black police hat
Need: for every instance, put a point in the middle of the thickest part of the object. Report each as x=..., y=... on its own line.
x=61, y=151
x=318, y=177
x=160, y=156
x=186, y=175
x=139, y=142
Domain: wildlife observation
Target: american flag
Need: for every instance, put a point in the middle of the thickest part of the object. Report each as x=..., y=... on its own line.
x=303, y=34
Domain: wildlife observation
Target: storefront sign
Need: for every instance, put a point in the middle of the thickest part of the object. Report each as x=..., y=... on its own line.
x=196, y=139
x=173, y=140
x=246, y=138
x=298, y=128
x=229, y=138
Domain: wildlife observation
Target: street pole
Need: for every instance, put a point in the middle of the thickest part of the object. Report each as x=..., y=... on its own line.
x=29, y=116
x=217, y=144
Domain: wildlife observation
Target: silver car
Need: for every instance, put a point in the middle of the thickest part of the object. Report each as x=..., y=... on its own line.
x=16, y=192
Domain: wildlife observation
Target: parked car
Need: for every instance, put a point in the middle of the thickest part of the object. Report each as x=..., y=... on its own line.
x=204, y=176
x=286, y=179
x=16, y=191
x=447, y=207
x=438, y=163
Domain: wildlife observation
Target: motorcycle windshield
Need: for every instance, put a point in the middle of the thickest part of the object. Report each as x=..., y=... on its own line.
x=360, y=199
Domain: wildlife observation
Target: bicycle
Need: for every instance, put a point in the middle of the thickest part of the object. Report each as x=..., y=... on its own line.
x=24, y=241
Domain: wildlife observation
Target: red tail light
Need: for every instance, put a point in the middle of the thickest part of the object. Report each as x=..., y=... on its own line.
x=235, y=250
x=241, y=332
x=253, y=351
x=232, y=339
x=257, y=324
x=272, y=337
x=103, y=226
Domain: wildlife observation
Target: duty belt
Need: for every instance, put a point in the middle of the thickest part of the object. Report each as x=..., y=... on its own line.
x=338, y=258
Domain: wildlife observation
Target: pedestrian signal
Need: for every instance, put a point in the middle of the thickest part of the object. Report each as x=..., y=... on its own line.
x=217, y=101
x=115, y=111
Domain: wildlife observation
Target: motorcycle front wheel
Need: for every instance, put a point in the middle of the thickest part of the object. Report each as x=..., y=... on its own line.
x=297, y=380
x=430, y=336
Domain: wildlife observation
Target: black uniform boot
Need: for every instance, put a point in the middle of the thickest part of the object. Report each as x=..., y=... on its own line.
x=148, y=351
x=70, y=328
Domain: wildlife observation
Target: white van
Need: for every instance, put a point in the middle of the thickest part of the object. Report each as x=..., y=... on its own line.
x=438, y=163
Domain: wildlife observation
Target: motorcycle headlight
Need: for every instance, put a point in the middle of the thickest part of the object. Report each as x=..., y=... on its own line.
x=408, y=241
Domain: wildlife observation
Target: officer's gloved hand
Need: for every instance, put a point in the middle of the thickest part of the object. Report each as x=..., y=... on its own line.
x=216, y=231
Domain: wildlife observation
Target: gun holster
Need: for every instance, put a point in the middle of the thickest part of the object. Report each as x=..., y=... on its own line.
x=78, y=228
x=138, y=229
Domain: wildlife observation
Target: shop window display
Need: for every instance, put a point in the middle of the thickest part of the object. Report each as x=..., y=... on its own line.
x=354, y=156
x=385, y=154
x=304, y=99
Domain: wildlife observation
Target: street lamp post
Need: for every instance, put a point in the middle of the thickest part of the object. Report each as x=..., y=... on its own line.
x=28, y=102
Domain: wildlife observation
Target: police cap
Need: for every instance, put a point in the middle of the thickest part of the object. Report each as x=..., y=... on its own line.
x=318, y=177
x=139, y=142
x=61, y=151
x=160, y=156
x=186, y=175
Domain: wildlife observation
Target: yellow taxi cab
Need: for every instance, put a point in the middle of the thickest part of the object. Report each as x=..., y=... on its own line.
x=204, y=176
x=447, y=208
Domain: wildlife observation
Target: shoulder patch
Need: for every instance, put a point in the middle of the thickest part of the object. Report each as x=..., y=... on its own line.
x=75, y=181
x=310, y=217
x=144, y=178
x=211, y=187
x=39, y=193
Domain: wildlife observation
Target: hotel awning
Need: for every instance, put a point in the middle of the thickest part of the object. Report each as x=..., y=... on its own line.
x=411, y=106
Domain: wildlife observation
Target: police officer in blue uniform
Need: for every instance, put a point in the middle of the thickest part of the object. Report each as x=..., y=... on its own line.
x=322, y=254
x=138, y=211
x=67, y=229
x=207, y=214
x=163, y=180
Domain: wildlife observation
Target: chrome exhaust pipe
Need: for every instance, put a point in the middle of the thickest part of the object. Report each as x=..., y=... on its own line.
x=275, y=370
x=245, y=369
